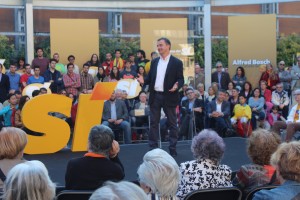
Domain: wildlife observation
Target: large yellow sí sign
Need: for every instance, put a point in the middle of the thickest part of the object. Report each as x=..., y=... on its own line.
x=35, y=115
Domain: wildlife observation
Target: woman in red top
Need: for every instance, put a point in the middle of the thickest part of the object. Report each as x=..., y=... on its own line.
x=271, y=77
x=267, y=94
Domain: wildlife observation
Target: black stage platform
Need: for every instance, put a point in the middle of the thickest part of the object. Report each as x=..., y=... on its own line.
x=132, y=155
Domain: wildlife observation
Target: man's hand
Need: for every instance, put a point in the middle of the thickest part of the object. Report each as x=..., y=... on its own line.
x=115, y=149
x=11, y=91
x=140, y=79
x=174, y=88
x=199, y=109
x=111, y=120
x=119, y=121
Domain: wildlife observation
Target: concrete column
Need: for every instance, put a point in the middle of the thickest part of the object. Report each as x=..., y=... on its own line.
x=29, y=30
x=207, y=43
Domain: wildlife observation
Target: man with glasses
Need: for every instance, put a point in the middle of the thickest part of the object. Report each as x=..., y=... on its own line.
x=285, y=77
x=281, y=99
x=192, y=111
x=295, y=72
x=220, y=77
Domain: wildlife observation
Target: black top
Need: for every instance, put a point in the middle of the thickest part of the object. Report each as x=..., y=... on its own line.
x=89, y=173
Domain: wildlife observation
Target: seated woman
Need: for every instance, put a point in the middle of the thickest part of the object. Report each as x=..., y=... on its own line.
x=159, y=175
x=239, y=78
x=204, y=172
x=242, y=115
x=256, y=103
x=261, y=145
x=286, y=161
x=267, y=94
x=270, y=76
x=29, y=180
x=246, y=90
x=122, y=190
x=12, y=144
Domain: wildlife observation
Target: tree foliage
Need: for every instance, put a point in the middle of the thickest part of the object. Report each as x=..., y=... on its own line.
x=7, y=50
x=287, y=48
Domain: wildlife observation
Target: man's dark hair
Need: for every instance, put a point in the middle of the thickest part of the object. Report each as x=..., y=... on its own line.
x=119, y=50
x=26, y=65
x=222, y=91
x=38, y=48
x=153, y=52
x=71, y=56
x=51, y=60
x=43, y=89
x=36, y=67
x=142, y=52
x=167, y=41
x=10, y=95
x=35, y=93
x=69, y=64
x=130, y=54
x=86, y=64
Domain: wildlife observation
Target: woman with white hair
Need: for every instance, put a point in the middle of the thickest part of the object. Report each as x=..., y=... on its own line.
x=12, y=144
x=159, y=175
x=286, y=161
x=30, y=181
x=122, y=190
x=204, y=172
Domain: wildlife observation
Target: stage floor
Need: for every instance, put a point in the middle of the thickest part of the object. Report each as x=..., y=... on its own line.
x=132, y=156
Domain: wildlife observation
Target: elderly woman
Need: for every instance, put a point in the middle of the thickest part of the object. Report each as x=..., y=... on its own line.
x=29, y=180
x=286, y=161
x=115, y=191
x=203, y=94
x=159, y=175
x=270, y=76
x=12, y=144
x=261, y=145
x=100, y=164
x=205, y=171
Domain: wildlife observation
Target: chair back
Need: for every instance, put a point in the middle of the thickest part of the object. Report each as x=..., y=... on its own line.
x=250, y=194
x=231, y=193
x=74, y=195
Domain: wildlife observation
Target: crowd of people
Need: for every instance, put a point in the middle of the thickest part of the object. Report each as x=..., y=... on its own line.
x=159, y=175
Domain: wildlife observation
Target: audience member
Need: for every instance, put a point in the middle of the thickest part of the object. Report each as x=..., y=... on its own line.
x=128, y=73
x=4, y=85
x=94, y=62
x=35, y=93
x=59, y=66
x=18, y=117
x=241, y=117
x=234, y=99
x=43, y=90
x=239, y=78
x=246, y=90
x=21, y=64
x=40, y=60
x=218, y=112
x=14, y=79
x=274, y=116
x=198, y=78
x=12, y=144
x=116, y=191
x=292, y=124
x=285, y=77
x=154, y=55
x=159, y=175
x=205, y=171
x=71, y=80
x=203, y=95
x=260, y=146
x=270, y=76
x=286, y=161
x=24, y=77
x=281, y=99
x=36, y=78
x=295, y=72
x=118, y=61
x=115, y=115
x=54, y=77
x=100, y=76
x=141, y=58
x=29, y=180
x=131, y=58
x=220, y=77
x=256, y=103
x=9, y=110
x=71, y=60
x=230, y=87
x=108, y=64
x=86, y=79
x=267, y=94
x=100, y=164
x=114, y=75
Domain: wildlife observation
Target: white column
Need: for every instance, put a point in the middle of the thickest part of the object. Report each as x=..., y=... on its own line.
x=29, y=30
x=207, y=43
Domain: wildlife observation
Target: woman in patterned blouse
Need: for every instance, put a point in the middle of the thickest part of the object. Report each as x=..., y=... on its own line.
x=204, y=172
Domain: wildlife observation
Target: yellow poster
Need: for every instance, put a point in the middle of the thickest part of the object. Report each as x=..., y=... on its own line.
x=251, y=44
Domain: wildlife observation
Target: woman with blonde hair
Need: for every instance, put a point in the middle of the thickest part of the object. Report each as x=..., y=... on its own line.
x=29, y=181
x=286, y=161
x=270, y=76
x=12, y=144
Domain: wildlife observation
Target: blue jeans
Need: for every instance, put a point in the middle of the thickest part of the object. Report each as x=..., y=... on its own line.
x=125, y=126
x=261, y=116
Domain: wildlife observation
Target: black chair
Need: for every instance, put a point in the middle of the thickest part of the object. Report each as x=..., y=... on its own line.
x=74, y=195
x=230, y=193
x=250, y=194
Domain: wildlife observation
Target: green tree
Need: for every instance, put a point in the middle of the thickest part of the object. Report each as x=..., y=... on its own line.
x=43, y=42
x=6, y=50
x=109, y=45
x=287, y=48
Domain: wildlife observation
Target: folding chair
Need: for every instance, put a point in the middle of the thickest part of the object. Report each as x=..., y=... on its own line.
x=230, y=193
x=250, y=194
x=74, y=195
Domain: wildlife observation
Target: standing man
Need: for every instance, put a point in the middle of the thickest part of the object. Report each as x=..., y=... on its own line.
x=164, y=79
x=295, y=72
x=4, y=85
x=108, y=63
x=199, y=77
x=220, y=77
x=54, y=77
x=141, y=58
x=118, y=61
x=14, y=79
x=40, y=61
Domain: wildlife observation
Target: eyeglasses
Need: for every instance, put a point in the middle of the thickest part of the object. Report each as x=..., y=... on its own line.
x=282, y=64
x=189, y=93
x=219, y=66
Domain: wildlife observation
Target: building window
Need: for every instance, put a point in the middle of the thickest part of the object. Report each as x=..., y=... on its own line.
x=269, y=8
x=118, y=23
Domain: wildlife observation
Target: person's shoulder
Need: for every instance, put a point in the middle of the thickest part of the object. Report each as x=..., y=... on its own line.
x=187, y=164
